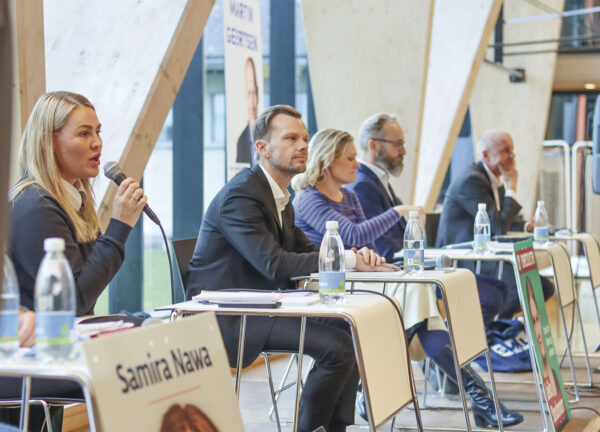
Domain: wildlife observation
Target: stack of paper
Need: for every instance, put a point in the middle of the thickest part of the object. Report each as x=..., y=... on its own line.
x=94, y=329
x=237, y=297
x=288, y=298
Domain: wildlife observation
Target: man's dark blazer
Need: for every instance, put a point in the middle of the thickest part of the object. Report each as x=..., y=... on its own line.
x=241, y=245
x=244, y=152
x=471, y=187
x=375, y=200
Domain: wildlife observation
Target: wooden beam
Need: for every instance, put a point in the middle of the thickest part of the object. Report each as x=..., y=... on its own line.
x=129, y=59
x=367, y=57
x=6, y=112
x=460, y=33
x=520, y=108
x=29, y=73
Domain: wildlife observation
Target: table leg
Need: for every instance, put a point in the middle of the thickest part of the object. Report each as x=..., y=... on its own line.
x=240, y=358
x=457, y=366
x=25, y=395
x=299, y=380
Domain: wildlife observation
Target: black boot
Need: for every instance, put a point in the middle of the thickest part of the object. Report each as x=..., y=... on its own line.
x=434, y=376
x=482, y=403
x=361, y=405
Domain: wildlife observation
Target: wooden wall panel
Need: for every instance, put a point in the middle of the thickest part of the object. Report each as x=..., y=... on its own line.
x=520, y=108
x=573, y=71
x=460, y=33
x=367, y=57
x=129, y=58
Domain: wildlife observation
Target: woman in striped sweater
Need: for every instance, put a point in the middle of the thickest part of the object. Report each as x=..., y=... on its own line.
x=321, y=197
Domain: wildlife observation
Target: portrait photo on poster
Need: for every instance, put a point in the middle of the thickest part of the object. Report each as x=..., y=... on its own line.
x=188, y=418
x=243, y=81
x=551, y=381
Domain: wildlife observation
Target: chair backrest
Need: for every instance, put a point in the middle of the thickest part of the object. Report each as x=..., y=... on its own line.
x=592, y=253
x=561, y=263
x=184, y=250
x=432, y=221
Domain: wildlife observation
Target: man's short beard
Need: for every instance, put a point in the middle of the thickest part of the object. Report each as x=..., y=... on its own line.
x=288, y=169
x=393, y=166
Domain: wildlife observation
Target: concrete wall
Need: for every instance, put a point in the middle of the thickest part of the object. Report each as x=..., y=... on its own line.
x=460, y=33
x=367, y=57
x=129, y=58
x=520, y=108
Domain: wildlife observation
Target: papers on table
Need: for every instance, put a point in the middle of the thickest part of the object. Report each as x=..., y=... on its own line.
x=242, y=298
x=93, y=329
x=434, y=253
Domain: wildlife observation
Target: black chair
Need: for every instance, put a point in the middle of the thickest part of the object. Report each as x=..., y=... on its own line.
x=184, y=250
x=432, y=222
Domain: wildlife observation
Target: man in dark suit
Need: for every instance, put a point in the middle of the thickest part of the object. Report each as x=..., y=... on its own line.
x=493, y=181
x=248, y=240
x=381, y=140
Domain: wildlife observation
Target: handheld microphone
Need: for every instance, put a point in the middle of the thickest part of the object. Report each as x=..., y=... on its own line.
x=443, y=262
x=113, y=171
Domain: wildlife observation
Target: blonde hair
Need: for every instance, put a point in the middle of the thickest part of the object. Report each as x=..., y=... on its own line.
x=38, y=164
x=324, y=147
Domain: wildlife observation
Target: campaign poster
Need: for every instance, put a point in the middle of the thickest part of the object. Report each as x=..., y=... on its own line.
x=165, y=377
x=243, y=81
x=539, y=328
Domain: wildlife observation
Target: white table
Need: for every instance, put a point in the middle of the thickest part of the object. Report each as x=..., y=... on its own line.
x=384, y=367
x=28, y=368
x=461, y=300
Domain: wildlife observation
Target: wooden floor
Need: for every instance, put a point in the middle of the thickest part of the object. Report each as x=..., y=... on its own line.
x=515, y=390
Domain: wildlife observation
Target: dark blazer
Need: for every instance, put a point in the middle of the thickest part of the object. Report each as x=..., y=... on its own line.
x=241, y=245
x=471, y=187
x=244, y=153
x=375, y=200
x=35, y=216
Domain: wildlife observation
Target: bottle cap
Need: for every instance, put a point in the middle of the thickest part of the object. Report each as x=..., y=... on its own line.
x=54, y=244
x=331, y=225
x=482, y=206
x=413, y=214
x=540, y=203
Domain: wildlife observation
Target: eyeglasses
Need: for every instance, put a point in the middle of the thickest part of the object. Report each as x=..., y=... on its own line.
x=398, y=144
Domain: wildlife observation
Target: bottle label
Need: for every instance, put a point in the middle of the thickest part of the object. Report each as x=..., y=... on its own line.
x=9, y=321
x=481, y=240
x=332, y=282
x=540, y=233
x=54, y=328
x=414, y=257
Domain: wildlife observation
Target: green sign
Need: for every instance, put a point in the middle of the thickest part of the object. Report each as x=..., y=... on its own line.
x=537, y=321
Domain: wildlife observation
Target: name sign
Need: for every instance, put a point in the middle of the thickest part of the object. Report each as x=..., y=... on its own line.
x=172, y=376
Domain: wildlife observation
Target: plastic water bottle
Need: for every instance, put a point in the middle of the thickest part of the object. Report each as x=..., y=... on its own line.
x=54, y=303
x=481, y=230
x=9, y=310
x=414, y=240
x=332, y=266
x=540, y=224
